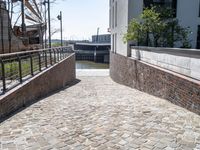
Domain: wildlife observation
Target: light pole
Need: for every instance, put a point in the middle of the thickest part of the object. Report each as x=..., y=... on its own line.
x=49, y=22
x=23, y=17
x=61, y=34
x=97, y=39
x=45, y=19
x=95, y=49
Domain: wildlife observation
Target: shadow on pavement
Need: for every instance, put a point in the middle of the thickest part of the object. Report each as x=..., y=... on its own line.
x=76, y=81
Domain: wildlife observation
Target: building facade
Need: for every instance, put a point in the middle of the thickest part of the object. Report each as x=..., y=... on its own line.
x=123, y=11
x=103, y=38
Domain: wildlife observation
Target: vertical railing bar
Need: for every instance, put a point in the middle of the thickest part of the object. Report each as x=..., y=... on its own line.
x=63, y=53
x=57, y=55
x=45, y=52
x=50, y=57
x=60, y=54
x=31, y=62
x=3, y=76
x=54, y=55
x=20, y=68
x=39, y=59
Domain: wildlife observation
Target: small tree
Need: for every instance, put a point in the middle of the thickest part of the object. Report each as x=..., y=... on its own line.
x=157, y=28
x=135, y=32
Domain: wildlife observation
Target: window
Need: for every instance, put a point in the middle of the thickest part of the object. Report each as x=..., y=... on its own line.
x=199, y=8
x=162, y=3
x=198, y=37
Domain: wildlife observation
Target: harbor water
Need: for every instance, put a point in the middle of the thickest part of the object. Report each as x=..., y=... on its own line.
x=91, y=65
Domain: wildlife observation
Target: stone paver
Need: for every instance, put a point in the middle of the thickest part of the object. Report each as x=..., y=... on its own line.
x=100, y=114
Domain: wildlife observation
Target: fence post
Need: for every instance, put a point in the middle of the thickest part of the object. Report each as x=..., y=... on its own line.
x=57, y=54
x=62, y=53
x=20, y=68
x=3, y=75
x=50, y=57
x=45, y=52
x=54, y=53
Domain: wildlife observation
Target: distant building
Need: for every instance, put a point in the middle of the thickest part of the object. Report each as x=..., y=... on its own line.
x=98, y=50
x=123, y=11
x=103, y=38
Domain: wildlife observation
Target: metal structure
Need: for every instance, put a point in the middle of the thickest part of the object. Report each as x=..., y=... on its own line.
x=18, y=67
x=28, y=24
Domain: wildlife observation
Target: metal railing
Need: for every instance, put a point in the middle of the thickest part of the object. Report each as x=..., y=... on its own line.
x=15, y=68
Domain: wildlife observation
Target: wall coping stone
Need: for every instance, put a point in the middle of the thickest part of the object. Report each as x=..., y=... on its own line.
x=194, y=53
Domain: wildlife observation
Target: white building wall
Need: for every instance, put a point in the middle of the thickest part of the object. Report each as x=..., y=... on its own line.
x=188, y=16
x=135, y=9
x=118, y=30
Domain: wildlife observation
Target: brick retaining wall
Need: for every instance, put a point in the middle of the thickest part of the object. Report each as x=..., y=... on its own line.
x=50, y=80
x=176, y=88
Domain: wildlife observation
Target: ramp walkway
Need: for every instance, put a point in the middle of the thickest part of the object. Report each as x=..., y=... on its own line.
x=97, y=113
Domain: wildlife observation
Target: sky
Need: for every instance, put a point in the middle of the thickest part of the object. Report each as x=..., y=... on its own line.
x=81, y=18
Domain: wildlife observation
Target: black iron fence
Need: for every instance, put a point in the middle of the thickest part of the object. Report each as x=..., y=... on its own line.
x=15, y=68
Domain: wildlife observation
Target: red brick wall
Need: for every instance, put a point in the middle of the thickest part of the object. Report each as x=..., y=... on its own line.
x=50, y=80
x=176, y=88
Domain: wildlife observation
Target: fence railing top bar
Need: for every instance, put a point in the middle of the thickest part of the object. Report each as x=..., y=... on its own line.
x=31, y=51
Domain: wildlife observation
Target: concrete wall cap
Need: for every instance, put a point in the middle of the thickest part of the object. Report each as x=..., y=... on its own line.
x=195, y=53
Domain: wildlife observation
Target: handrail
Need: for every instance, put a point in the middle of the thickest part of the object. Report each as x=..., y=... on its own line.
x=31, y=51
x=17, y=67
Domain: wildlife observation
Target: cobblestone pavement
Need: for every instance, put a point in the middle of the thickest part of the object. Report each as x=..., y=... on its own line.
x=99, y=114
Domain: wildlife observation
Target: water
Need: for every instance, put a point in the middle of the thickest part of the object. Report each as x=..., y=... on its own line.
x=91, y=65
